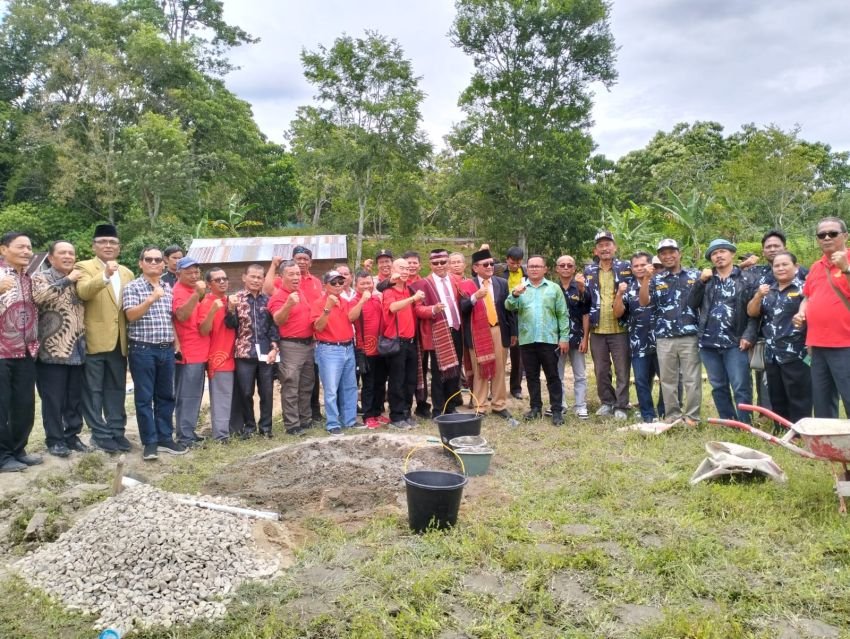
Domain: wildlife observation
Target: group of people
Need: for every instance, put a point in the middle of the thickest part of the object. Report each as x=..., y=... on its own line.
x=397, y=338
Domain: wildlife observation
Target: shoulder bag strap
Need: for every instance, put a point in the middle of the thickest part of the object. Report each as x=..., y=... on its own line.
x=837, y=290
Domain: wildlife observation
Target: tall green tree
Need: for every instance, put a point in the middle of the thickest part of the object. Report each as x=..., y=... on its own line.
x=365, y=124
x=525, y=138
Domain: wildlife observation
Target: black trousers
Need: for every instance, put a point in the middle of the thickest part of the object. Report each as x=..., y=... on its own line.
x=534, y=357
x=830, y=380
x=516, y=370
x=790, y=389
x=17, y=406
x=253, y=374
x=60, y=387
x=444, y=387
x=373, y=391
x=401, y=373
x=315, y=407
x=105, y=389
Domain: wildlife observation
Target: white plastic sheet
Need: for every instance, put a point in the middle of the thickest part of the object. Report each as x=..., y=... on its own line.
x=726, y=458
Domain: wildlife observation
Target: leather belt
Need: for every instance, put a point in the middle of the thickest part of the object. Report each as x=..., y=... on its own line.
x=348, y=343
x=297, y=340
x=139, y=344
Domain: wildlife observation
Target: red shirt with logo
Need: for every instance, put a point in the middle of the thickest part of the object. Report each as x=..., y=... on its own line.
x=298, y=324
x=827, y=317
x=222, y=338
x=406, y=319
x=194, y=346
x=367, y=327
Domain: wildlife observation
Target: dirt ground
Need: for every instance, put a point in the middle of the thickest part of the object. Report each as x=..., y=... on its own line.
x=347, y=480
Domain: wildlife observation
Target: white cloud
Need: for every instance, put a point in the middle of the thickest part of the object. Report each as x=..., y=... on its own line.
x=782, y=62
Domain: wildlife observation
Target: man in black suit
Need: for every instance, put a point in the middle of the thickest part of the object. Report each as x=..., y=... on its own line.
x=488, y=328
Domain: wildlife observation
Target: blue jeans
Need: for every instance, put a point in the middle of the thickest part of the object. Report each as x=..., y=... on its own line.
x=645, y=369
x=339, y=382
x=152, y=368
x=728, y=367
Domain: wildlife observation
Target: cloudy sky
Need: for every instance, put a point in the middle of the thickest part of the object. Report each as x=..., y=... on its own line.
x=782, y=62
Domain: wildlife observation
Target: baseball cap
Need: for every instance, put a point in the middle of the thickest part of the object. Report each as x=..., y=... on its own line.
x=332, y=275
x=603, y=235
x=384, y=253
x=667, y=243
x=186, y=262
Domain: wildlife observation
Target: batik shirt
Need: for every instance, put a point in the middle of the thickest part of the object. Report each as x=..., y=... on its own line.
x=622, y=273
x=668, y=297
x=253, y=323
x=784, y=342
x=578, y=305
x=542, y=313
x=640, y=322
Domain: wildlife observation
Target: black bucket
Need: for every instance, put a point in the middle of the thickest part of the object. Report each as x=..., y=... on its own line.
x=433, y=498
x=457, y=425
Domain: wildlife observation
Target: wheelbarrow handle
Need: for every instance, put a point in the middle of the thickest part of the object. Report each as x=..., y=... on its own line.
x=767, y=413
x=731, y=423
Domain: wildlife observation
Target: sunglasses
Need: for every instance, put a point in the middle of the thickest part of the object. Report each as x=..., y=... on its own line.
x=828, y=234
x=152, y=260
x=565, y=265
x=219, y=280
x=486, y=264
x=336, y=282
x=107, y=242
x=439, y=262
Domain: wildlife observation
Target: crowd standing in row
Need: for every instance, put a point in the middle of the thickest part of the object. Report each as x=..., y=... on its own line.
x=73, y=329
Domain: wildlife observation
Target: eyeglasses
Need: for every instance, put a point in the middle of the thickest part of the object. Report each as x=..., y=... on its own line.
x=828, y=234
x=439, y=262
x=152, y=260
x=106, y=242
x=486, y=264
x=566, y=265
x=337, y=283
x=219, y=280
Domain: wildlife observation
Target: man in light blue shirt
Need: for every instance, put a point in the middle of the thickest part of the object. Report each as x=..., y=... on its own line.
x=544, y=333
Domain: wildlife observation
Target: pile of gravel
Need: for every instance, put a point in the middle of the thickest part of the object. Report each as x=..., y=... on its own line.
x=143, y=559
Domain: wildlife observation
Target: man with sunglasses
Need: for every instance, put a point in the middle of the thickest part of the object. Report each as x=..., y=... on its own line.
x=488, y=328
x=147, y=304
x=221, y=365
x=101, y=287
x=331, y=317
x=578, y=305
x=826, y=313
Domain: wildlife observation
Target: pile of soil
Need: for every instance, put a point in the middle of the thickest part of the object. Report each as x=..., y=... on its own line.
x=347, y=479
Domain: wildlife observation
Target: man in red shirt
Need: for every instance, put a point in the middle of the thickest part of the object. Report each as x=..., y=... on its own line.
x=331, y=317
x=400, y=321
x=291, y=312
x=220, y=363
x=194, y=349
x=371, y=365
x=384, y=263
x=826, y=312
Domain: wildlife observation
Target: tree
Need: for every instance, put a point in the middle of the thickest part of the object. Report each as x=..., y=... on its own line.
x=237, y=218
x=524, y=140
x=692, y=216
x=367, y=112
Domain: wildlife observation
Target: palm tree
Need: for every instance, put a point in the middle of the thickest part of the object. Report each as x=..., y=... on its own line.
x=691, y=216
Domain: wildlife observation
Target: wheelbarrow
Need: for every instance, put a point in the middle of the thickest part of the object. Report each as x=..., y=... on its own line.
x=823, y=439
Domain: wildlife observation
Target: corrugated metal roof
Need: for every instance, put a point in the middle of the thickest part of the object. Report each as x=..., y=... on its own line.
x=261, y=249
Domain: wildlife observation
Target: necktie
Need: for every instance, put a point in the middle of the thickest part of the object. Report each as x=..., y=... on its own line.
x=492, y=318
x=451, y=303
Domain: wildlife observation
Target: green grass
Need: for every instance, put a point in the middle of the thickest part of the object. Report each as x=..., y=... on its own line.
x=725, y=560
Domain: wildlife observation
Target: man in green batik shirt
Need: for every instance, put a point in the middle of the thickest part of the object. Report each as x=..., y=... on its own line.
x=544, y=333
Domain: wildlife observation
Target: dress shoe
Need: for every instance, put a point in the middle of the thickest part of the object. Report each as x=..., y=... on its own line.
x=246, y=434
x=30, y=460
x=59, y=450
x=77, y=444
x=516, y=394
x=504, y=413
x=106, y=445
x=122, y=443
x=12, y=465
x=296, y=432
x=558, y=419
x=534, y=413
x=267, y=434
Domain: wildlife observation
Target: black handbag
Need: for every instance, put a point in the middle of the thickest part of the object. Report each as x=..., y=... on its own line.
x=389, y=346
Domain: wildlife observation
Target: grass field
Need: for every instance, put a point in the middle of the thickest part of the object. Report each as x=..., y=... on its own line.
x=579, y=531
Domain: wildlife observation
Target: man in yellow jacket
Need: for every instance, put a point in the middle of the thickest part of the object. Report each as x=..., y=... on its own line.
x=101, y=286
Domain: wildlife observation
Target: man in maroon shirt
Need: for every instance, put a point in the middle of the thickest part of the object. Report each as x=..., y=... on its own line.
x=826, y=312
x=400, y=321
x=371, y=365
x=291, y=312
